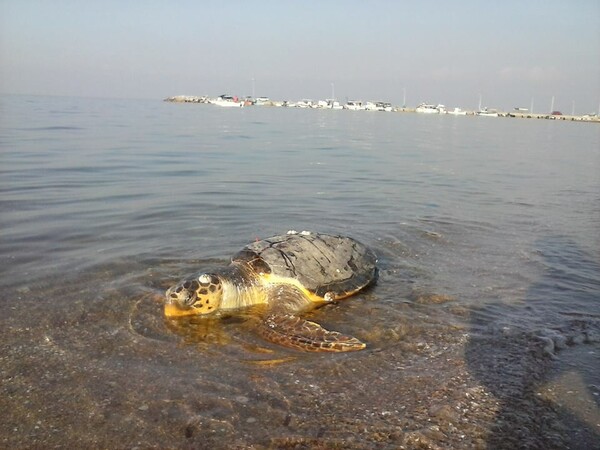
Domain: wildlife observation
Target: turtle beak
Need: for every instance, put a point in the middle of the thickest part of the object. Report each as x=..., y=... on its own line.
x=174, y=309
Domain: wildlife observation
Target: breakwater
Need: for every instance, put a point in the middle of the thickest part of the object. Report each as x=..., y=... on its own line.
x=380, y=106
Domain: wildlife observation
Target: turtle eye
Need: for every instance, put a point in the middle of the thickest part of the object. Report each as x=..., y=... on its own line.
x=189, y=299
x=184, y=293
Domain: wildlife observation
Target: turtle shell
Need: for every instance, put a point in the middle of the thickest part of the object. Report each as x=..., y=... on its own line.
x=322, y=263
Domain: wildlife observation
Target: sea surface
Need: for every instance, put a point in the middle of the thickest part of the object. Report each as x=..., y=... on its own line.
x=483, y=330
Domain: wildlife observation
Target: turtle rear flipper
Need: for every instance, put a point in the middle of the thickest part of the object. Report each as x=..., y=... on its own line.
x=292, y=331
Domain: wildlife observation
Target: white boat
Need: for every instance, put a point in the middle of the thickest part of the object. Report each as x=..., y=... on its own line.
x=457, y=112
x=487, y=112
x=370, y=106
x=425, y=108
x=333, y=104
x=260, y=101
x=354, y=105
x=305, y=103
x=227, y=101
x=384, y=106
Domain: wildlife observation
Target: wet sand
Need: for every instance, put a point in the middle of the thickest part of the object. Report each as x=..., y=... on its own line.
x=103, y=370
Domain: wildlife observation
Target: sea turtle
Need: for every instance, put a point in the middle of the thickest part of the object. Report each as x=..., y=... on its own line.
x=288, y=275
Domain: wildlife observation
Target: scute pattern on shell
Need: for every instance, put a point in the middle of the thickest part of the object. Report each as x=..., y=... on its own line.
x=322, y=263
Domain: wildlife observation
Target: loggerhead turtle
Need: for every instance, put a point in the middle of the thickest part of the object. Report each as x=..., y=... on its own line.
x=288, y=275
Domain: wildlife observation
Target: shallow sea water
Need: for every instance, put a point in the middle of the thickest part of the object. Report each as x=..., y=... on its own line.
x=483, y=330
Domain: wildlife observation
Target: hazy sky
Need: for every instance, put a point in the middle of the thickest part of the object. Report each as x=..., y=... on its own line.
x=446, y=52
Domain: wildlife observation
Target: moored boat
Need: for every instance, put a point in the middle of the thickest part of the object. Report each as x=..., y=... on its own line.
x=227, y=101
x=425, y=108
x=354, y=105
x=384, y=106
x=457, y=112
x=304, y=103
x=487, y=112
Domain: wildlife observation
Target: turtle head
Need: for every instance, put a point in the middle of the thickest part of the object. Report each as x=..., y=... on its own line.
x=194, y=296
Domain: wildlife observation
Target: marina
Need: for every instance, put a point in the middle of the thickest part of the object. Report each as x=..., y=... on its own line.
x=359, y=105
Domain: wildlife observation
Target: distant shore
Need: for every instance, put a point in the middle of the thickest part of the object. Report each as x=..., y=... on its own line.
x=519, y=113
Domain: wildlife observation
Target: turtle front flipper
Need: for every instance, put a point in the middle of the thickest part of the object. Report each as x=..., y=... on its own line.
x=292, y=331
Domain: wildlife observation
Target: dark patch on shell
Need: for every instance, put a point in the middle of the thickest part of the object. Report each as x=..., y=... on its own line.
x=252, y=259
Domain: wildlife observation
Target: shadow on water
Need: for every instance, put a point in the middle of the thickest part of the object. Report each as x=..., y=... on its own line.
x=542, y=359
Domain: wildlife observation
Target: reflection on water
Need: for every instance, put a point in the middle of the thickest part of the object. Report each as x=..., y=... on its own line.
x=487, y=240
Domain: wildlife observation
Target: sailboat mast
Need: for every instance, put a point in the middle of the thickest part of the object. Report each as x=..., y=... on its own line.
x=531, y=107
